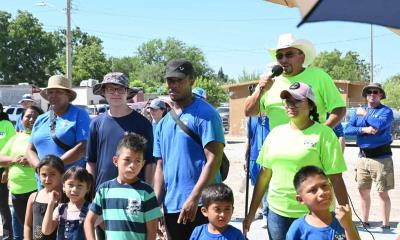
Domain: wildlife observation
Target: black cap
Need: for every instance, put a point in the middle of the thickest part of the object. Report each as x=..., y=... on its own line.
x=179, y=68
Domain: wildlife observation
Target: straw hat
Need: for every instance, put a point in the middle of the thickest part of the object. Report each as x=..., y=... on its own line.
x=287, y=40
x=58, y=82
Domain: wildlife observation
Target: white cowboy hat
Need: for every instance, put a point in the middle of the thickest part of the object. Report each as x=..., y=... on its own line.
x=59, y=82
x=287, y=40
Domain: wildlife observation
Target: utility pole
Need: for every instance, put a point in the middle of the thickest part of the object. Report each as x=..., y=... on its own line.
x=372, y=57
x=68, y=42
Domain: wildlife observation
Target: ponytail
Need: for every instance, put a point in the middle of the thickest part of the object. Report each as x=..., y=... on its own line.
x=313, y=112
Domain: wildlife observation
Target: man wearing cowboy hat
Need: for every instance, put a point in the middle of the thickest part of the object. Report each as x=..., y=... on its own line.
x=295, y=55
x=26, y=101
x=107, y=129
x=372, y=126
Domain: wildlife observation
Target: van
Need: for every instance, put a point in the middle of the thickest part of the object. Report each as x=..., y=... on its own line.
x=13, y=112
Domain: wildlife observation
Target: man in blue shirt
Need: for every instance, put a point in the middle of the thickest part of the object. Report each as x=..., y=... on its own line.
x=184, y=167
x=372, y=126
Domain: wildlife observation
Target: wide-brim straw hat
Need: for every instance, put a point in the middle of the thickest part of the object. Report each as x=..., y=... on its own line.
x=372, y=86
x=287, y=40
x=59, y=82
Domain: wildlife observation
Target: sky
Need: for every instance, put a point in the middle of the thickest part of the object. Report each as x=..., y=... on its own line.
x=233, y=34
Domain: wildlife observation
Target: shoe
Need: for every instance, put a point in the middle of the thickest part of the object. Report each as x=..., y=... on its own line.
x=258, y=216
x=385, y=227
x=365, y=224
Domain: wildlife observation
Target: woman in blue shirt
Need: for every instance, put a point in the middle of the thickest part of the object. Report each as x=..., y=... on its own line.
x=62, y=131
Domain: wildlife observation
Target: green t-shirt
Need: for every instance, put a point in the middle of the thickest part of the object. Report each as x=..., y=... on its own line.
x=327, y=95
x=286, y=150
x=21, y=178
x=7, y=130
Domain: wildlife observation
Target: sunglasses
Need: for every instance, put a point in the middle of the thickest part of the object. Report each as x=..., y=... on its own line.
x=292, y=103
x=369, y=92
x=288, y=55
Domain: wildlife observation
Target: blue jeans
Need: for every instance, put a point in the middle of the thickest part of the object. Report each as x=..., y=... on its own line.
x=18, y=228
x=278, y=225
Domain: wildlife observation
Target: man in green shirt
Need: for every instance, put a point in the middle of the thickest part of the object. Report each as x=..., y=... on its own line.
x=295, y=55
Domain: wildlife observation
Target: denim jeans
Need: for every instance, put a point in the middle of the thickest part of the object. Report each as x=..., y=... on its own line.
x=278, y=225
x=18, y=228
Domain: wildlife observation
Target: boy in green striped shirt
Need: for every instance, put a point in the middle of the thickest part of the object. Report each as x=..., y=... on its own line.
x=127, y=205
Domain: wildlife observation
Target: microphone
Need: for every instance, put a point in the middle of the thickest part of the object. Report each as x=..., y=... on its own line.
x=276, y=70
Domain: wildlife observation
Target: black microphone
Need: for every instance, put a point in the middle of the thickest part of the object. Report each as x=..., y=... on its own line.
x=276, y=71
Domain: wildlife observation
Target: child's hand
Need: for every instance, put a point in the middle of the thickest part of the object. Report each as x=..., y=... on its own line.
x=343, y=215
x=54, y=197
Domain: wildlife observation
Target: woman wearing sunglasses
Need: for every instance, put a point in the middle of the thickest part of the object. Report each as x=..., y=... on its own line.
x=301, y=142
x=372, y=126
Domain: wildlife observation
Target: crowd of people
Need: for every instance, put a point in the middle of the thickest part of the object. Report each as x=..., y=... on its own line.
x=122, y=176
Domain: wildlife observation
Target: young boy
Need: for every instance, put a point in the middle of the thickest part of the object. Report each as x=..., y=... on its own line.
x=315, y=191
x=217, y=202
x=127, y=205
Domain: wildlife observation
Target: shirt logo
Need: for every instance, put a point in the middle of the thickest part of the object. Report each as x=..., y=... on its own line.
x=2, y=134
x=310, y=143
x=134, y=206
x=339, y=236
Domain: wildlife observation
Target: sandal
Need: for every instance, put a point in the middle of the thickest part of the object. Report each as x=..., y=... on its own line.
x=385, y=227
x=365, y=224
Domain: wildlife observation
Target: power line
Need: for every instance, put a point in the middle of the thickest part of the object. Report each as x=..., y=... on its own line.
x=185, y=19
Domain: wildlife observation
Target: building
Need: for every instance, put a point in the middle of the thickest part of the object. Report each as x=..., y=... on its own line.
x=350, y=90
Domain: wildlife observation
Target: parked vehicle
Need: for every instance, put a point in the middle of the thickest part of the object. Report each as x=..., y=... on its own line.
x=13, y=112
x=224, y=114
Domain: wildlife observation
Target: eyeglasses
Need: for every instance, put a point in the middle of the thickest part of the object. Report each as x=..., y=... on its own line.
x=279, y=56
x=369, y=92
x=111, y=90
x=290, y=103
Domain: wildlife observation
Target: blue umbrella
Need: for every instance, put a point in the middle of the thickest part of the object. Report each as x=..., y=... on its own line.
x=379, y=12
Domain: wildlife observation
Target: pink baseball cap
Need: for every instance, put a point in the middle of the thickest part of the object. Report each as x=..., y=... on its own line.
x=299, y=91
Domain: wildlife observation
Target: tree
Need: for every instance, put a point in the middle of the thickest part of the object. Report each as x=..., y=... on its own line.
x=392, y=90
x=216, y=94
x=88, y=58
x=222, y=77
x=28, y=49
x=149, y=64
x=246, y=76
x=350, y=67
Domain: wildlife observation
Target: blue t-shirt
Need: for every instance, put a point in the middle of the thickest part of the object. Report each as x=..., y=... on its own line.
x=71, y=128
x=301, y=230
x=380, y=118
x=106, y=132
x=257, y=131
x=183, y=158
x=18, y=124
x=201, y=232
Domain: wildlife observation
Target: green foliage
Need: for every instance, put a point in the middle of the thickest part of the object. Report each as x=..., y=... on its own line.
x=347, y=67
x=246, y=76
x=88, y=58
x=89, y=62
x=216, y=94
x=392, y=90
x=148, y=66
x=26, y=50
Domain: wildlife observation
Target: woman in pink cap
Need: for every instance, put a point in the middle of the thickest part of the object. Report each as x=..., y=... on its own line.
x=301, y=142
